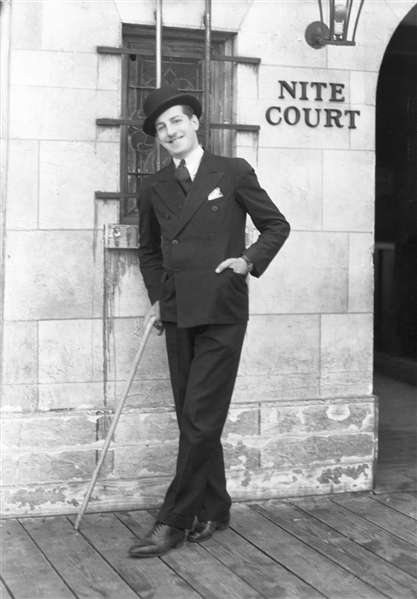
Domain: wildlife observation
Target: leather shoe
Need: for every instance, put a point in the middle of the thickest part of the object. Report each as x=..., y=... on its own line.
x=204, y=530
x=159, y=540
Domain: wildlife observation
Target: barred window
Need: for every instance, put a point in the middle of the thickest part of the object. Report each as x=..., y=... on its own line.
x=182, y=67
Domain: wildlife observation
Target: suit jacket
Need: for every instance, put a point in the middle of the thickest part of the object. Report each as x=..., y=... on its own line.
x=182, y=240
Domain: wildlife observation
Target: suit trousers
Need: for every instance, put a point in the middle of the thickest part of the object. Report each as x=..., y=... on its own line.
x=203, y=363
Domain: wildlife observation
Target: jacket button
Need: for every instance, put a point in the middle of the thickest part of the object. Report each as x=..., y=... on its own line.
x=175, y=242
x=214, y=208
x=177, y=271
x=167, y=216
x=211, y=237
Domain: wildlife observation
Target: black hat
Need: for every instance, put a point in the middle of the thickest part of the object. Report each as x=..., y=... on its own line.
x=160, y=100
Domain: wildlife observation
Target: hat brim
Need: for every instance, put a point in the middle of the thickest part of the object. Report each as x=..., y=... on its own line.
x=149, y=123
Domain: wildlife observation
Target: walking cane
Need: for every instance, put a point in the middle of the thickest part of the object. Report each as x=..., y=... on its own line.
x=115, y=421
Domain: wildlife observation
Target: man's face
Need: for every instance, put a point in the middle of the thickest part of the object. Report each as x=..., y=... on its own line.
x=177, y=132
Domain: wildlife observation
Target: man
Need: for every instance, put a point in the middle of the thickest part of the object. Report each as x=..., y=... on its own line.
x=194, y=264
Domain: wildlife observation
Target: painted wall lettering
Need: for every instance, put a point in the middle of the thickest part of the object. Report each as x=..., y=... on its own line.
x=313, y=91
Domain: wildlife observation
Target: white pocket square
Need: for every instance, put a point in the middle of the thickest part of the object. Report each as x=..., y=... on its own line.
x=215, y=194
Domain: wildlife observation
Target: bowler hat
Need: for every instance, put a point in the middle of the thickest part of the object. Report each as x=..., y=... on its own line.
x=160, y=100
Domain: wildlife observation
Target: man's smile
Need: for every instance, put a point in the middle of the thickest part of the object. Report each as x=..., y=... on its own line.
x=177, y=132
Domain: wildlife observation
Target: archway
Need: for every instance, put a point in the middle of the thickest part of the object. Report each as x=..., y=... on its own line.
x=395, y=380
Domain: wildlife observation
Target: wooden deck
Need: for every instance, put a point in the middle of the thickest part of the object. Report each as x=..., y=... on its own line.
x=346, y=546
x=350, y=546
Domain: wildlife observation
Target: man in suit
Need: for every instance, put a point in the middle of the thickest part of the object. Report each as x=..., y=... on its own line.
x=195, y=264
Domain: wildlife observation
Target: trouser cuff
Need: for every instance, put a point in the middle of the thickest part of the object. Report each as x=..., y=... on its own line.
x=175, y=520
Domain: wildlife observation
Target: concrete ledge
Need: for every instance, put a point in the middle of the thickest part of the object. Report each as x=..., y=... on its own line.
x=146, y=493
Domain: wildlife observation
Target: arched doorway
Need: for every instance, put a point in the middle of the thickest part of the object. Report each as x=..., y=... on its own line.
x=395, y=380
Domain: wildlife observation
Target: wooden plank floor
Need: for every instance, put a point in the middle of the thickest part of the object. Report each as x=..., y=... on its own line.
x=350, y=546
x=345, y=546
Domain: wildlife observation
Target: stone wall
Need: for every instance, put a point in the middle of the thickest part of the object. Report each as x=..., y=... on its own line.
x=303, y=418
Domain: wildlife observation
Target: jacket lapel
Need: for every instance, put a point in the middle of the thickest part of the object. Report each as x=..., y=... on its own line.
x=169, y=189
x=207, y=179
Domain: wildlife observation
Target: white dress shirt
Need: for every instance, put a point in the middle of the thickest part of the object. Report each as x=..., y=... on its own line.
x=192, y=162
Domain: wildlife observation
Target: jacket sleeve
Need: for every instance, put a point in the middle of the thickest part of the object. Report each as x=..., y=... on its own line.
x=267, y=218
x=150, y=251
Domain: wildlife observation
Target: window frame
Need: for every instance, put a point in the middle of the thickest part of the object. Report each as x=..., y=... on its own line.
x=222, y=132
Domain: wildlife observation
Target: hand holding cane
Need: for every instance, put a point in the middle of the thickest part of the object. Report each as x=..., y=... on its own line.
x=116, y=417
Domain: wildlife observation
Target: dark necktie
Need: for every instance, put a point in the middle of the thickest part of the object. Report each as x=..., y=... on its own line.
x=182, y=175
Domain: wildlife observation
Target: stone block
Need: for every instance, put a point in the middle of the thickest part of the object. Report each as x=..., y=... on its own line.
x=361, y=272
x=106, y=212
x=129, y=13
x=55, y=467
x=45, y=267
x=304, y=419
x=317, y=259
x=46, y=432
x=346, y=343
x=348, y=478
x=98, y=278
x=400, y=9
x=70, y=351
x=145, y=460
x=122, y=346
x=143, y=428
x=277, y=40
x=183, y=14
x=257, y=388
x=315, y=449
x=232, y=13
x=363, y=87
x=247, y=145
x=19, y=398
x=146, y=393
x=281, y=345
x=348, y=191
x=22, y=191
x=241, y=421
x=299, y=198
x=78, y=396
x=107, y=134
x=126, y=294
x=80, y=26
x=247, y=81
x=9, y=469
x=26, y=25
x=299, y=481
x=248, y=151
x=241, y=454
x=20, y=353
x=346, y=384
x=42, y=113
x=109, y=72
x=53, y=69
x=363, y=137
x=70, y=173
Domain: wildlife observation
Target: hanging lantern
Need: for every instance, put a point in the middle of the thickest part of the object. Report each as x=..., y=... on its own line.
x=343, y=18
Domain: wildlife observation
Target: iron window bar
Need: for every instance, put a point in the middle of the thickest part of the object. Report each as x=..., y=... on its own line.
x=230, y=126
x=170, y=54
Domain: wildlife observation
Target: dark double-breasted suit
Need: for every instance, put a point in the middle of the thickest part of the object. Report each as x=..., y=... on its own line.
x=182, y=241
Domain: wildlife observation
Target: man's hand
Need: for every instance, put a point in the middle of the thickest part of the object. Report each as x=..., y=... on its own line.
x=155, y=310
x=237, y=264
